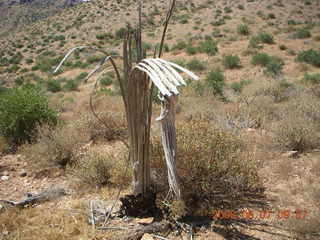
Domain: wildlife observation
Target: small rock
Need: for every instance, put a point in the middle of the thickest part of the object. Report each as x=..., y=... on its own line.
x=251, y=130
x=145, y=221
x=4, y=178
x=147, y=236
x=291, y=154
x=23, y=173
x=4, y=173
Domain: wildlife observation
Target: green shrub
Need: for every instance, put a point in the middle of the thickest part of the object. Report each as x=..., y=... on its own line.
x=310, y=56
x=283, y=47
x=312, y=78
x=261, y=59
x=120, y=33
x=94, y=58
x=179, y=45
x=21, y=110
x=71, y=85
x=243, y=29
x=302, y=33
x=106, y=80
x=237, y=87
x=215, y=81
x=104, y=36
x=191, y=50
x=196, y=65
x=54, y=85
x=81, y=76
x=266, y=38
x=209, y=46
x=231, y=61
x=274, y=67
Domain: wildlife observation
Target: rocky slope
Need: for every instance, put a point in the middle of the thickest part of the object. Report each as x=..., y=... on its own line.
x=16, y=13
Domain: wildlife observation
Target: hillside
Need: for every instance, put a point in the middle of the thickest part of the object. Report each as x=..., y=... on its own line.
x=18, y=13
x=248, y=131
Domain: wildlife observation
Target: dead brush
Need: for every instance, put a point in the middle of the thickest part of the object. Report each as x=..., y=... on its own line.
x=307, y=227
x=299, y=126
x=99, y=169
x=58, y=146
x=211, y=163
x=110, y=126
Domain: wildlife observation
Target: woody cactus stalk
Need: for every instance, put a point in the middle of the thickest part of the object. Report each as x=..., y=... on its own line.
x=136, y=88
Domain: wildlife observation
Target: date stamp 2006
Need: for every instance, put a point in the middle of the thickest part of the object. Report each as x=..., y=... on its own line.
x=260, y=214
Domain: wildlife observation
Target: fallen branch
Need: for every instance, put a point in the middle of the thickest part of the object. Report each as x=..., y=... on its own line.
x=44, y=196
x=157, y=227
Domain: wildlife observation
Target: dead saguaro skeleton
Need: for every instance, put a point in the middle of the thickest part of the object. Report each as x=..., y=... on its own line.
x=140, y=75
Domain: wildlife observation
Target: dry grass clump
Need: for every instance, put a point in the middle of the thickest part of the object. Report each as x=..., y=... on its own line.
x=48, y=223
x=3, y=145
x=109, y=126
x=211, y=163
x=299, y=126
x=60, y=146
x=307, y=227
x=98, y=169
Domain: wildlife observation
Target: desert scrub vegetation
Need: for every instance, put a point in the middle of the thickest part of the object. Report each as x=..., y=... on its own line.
x=98, y=169
x=196, y=65
x=298, y=128
x=61, y=146
x=243, y=29
x=310, y=56
x=302, y=33
x=266, y=38
x=219, y=162
x=311, y=78
x=208, y=46
x=215, y=82
x=273, y=65
x=110, y=126
x=231, y=61
x=21, y=110
x=237, y=87
x=57, y=146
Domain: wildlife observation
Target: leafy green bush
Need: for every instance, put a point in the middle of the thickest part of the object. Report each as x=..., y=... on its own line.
x=71, y=85
x=231, y=61
x=191, y=50
x=81, y=76
x=261, y=59
x=266, y=38
x=312, y=78
x=21, y=110
x=243, y=29
x=237, y=87
x=120, y=33
x=209, y=46
x=54, y=85
x=179, y=45
x=196, y=65
x=274, y=67
x=302, y=33
x=310, y=56
x=106, y=80
x=215, y=81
